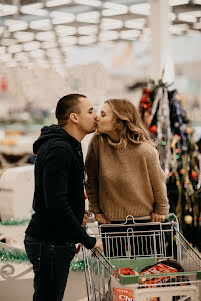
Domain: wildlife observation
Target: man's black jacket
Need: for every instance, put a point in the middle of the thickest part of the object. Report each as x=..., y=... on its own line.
x=59, y=201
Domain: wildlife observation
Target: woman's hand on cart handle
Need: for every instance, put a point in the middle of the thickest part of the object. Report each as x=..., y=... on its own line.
x=158, y=218
x=99, y=244
x=101, y=219
x=86, y=218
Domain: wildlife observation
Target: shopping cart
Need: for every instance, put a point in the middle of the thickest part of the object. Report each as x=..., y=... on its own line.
x=138, y=245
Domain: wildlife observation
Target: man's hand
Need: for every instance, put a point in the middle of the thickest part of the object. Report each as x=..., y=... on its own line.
x=101, y=219
x=99, y=244
x=156, y=217
x=86, y=217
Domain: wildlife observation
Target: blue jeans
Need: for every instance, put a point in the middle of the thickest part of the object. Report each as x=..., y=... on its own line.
x=51, y=267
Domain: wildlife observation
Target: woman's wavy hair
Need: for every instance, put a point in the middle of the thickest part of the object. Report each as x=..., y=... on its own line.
x=128, y=123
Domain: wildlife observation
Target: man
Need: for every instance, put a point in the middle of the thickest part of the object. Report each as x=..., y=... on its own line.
x=59, y=202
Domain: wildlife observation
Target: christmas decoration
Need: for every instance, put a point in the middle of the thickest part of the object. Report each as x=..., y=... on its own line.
x=163, y=114
x=13, y=256
x=77, y=266
x=12, y=222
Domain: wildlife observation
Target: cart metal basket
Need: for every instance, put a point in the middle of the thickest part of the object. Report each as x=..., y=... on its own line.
x=138, y=245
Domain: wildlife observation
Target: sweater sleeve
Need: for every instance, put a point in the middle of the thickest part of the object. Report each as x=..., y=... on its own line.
x=56, y=189
x=92, y=170
x=157, y=179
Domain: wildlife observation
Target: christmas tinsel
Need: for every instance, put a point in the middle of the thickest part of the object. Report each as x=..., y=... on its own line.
x=13, y=256
x=77, y=266
x=15, y=222
x=20, y=256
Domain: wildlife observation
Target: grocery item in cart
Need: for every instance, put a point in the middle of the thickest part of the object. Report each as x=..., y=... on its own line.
x=163, y=267
x=123, y=294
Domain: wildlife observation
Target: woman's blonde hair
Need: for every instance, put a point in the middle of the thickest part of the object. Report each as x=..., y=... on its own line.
x=128, y=123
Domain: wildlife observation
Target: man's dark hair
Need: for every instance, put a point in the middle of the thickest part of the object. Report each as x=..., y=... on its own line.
x=66, y=105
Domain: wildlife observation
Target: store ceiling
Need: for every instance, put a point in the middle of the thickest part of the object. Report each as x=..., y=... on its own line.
x=43, y=31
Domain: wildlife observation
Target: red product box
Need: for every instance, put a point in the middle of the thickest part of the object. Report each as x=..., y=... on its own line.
x=160, y=268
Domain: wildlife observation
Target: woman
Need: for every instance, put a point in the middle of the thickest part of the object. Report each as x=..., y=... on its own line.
x=124, y=176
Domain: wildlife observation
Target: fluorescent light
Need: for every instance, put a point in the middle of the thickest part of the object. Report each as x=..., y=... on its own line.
x=45, y=36
x=194, y=13
x=8, y=42
x=31, y=46
x=86, y=40
x=24, y=36
x=129, y=34
x=187, y=18
x=11, y=22
x=33, y=6
x=178, y=2
x=47, y=45
x=95, y=3
x=181, y=26
x=20, y=25
x=111, y=24
x=34, y=9
x=6, y=10
x=65, y=30
x=15, y=48
x=57, y=21
x=114, y=12
x=37, y=53
x=140, y=9
x=60, y=18
x=108, y=35
x=52, y=3
x=69, y=40
x=135, y=23
x=43, y=24
x=2, y=50
x=86, y=30
x=113, y=9
x=89, y=17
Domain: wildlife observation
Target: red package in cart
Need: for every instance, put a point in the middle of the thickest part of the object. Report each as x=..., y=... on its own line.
x=120, y=294
x=159, y=268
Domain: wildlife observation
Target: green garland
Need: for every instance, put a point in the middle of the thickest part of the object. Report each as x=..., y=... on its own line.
x=15, y=222
x=20, y=256
x=13, y=256
x=77, y=266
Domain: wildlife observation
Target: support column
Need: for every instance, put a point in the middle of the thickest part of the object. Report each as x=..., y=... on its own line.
x=161, y=41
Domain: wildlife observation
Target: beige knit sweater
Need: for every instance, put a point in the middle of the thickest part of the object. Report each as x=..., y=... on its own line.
x=123, y=182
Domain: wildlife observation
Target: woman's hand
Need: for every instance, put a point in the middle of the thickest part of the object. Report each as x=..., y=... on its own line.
x=86, y=217
x=101, y=219
x=156, y=217
x=99, y=244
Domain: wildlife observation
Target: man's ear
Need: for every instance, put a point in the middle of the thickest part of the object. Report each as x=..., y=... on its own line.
x=73, y=117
